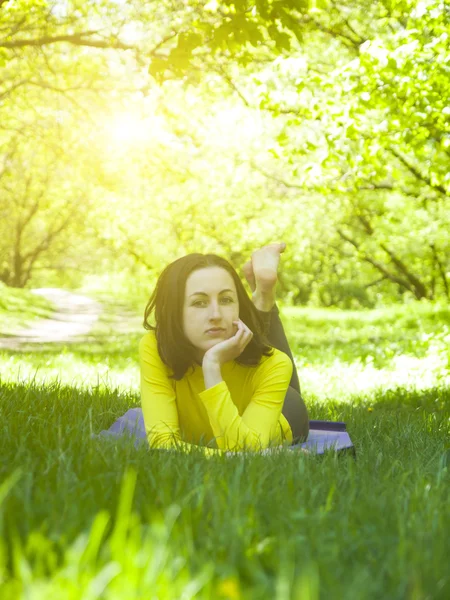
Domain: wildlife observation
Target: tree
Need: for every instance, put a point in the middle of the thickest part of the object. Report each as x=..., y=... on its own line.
x=42, y=208
x=369, y=124
x=337, y=170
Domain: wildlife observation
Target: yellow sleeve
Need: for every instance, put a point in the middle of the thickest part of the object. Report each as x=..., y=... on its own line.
x=158, y=403
x=259, y=424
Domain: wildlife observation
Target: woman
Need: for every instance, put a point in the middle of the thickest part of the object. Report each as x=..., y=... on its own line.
x=216, y=370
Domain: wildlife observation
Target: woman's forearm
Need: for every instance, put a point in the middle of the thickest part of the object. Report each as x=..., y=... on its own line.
x=211, y=374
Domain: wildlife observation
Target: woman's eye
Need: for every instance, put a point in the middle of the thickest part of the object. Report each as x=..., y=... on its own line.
x=201, y=301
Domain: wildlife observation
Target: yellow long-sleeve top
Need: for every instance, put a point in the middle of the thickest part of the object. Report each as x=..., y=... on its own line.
x=241, y=412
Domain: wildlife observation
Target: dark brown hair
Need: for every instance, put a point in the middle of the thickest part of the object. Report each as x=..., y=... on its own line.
x=167, y=300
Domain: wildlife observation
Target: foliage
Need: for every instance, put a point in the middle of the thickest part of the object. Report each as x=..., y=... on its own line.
x=322, y=124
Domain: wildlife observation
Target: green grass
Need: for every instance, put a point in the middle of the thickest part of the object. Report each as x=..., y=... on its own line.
x=19, y=308
x=83, y=518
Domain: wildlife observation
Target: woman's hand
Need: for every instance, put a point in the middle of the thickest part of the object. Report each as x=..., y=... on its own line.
x=231, y=348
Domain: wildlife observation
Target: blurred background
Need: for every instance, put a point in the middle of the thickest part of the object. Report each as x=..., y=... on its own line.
x=133, y=133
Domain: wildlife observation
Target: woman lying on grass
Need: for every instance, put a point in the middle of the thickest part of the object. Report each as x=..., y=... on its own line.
x=217, y=371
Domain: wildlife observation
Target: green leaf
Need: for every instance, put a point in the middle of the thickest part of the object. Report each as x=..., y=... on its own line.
x=157, y=66
x=189, y=41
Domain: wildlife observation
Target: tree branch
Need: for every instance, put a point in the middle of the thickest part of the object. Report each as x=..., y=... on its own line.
x=77, y=39
x=276, y=178
x=441, y=269
x=376, y=282
x=42, y=246
x=366, y=224
x=412, y=169
x=5, y=93
x=219, y=69
x=419, y=287
x=391, y=276
x=349, y=42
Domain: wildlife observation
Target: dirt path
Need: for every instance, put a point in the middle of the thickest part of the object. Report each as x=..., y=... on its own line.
x=74, y=317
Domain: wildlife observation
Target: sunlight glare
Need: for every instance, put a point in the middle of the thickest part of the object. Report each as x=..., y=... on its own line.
x=128, y=129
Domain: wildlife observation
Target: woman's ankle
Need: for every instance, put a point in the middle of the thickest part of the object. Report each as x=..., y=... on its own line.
x=272, y=310
x=263, y=302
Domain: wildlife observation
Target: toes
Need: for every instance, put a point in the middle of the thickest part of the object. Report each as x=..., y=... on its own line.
x=280, y=246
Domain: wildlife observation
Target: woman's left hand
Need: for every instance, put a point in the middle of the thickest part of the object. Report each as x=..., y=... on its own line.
x=231, y=348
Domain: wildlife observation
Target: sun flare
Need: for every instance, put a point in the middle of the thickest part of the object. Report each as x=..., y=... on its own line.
x=127, y=128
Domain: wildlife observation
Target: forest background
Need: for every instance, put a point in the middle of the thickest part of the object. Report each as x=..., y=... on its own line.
x=133, y=133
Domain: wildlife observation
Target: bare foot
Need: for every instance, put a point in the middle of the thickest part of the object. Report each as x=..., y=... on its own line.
x=247, y=269
x=261, y=273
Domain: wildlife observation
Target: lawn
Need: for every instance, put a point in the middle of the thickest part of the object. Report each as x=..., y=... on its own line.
x=19, y=308
x=83, y=518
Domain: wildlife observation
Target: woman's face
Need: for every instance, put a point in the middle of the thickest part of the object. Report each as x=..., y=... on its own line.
x=210, y=300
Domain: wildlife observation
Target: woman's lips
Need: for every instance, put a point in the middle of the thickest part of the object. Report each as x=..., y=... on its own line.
x=215, y=331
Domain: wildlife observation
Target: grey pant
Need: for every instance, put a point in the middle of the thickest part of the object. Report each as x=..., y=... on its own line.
x=294, y=408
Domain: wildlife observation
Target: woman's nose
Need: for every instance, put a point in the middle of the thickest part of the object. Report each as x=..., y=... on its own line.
x=215, y=310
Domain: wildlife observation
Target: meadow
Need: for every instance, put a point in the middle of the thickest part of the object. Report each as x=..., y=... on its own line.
x=83, y=518
x=20, y=307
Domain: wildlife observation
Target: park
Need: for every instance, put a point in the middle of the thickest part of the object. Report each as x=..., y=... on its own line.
x=142, y=146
